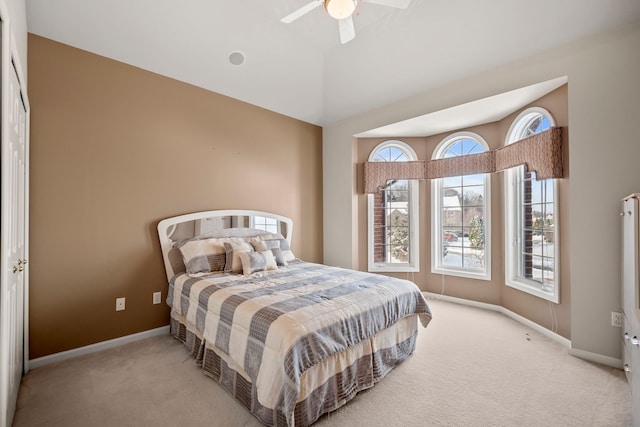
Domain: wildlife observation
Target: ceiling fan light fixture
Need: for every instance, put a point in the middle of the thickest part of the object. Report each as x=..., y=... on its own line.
x=340, y=9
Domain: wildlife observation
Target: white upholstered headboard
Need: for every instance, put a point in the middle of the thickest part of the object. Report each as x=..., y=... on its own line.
x=178, y=228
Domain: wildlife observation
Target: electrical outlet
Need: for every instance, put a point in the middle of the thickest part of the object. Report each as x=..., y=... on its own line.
x=157, y=296
x=616, y=319
x=120, y=304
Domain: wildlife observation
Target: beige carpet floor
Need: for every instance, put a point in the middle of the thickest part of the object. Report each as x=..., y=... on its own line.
x=471, y=367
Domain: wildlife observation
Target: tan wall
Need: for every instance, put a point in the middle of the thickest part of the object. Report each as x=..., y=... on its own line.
x=493, y=291
x=115, y=149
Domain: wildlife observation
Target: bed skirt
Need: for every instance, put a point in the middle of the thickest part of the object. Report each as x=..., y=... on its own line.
x=325, y=386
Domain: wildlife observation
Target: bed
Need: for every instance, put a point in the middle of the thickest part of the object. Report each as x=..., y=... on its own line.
x=288, y=339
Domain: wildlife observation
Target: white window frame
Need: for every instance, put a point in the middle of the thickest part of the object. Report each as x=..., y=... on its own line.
x=436, y=219
x=512, y=203
x=413, y=265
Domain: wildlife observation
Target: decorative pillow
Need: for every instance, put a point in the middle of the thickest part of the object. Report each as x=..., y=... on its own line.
x=273, y=246
x=278, y=256
x=206, y=252
x=287, y=254
x=233, y=250
x=203, y=256
x=253, y=262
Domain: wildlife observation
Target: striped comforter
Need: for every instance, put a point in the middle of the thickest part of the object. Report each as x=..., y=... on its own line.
x=272, y=326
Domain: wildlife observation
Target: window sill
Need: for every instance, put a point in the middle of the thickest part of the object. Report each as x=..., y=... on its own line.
x=535, y=289
x=393, y=269
x=462, y=273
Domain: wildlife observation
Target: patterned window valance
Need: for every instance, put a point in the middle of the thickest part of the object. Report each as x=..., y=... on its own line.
x=541, y=153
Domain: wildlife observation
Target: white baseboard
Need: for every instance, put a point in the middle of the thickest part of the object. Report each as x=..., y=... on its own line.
x=500, y=309
x=164, y=330
x=597, y=358
x=582, y=354
x=81, y=351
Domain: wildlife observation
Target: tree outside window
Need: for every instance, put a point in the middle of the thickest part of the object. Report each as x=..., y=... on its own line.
x=460, y=213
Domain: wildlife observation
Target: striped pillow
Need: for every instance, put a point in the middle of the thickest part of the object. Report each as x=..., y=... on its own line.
x=253, y=262
x=233, y=251
x=273, y=246
x=287, y=253
x=203, y=256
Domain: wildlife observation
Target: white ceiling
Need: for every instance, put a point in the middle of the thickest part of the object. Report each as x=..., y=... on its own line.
x=300, y=69
x=478, y=112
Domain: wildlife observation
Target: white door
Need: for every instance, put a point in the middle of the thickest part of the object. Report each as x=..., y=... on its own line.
x=13, y=241
x=629, y=253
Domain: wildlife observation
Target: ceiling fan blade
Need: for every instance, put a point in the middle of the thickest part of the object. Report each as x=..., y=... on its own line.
x=302, y=11
x=399, y=4
x=347, y=30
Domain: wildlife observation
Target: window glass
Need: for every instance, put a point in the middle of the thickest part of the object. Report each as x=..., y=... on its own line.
x=531, y=212
x=266, y=224
x=460, y=214
x=392, y=215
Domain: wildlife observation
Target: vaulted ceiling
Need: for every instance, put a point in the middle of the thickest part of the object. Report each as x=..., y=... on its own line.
x=301, y=69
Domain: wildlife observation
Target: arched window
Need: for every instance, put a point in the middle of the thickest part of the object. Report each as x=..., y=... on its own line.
x=531, y=212
x=393, y=216
x=460, y=225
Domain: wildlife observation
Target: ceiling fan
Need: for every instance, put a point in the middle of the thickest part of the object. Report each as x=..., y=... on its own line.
x=342, y=11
